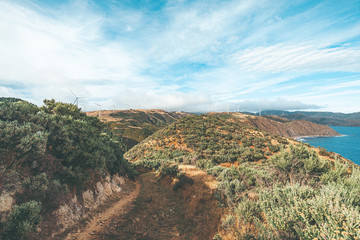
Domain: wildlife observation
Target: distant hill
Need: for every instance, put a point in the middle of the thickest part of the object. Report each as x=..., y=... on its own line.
x=326, y=118
x=136, y=125
x=280, y=126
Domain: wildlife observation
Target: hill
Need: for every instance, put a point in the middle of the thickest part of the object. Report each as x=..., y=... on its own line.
x=270, y=187
x=280, y=126
x=135, y=125
x=326, y=118
x=49, y=155
x=10, y=99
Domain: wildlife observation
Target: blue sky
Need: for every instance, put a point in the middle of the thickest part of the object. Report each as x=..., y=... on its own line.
x=190, y=55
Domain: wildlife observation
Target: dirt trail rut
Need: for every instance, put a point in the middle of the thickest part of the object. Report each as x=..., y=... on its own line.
x=158, y=212
x=98, y=222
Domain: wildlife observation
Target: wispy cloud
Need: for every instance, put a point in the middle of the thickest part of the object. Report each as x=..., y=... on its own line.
x=191, y=55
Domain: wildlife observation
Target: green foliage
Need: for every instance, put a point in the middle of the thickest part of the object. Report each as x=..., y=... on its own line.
x=168, y=170
x=23, y=220
x=48, y=150
x=248, y=211
x=41, y=189
x=215, y=171
x=80, y=142
x=153, y=164
x=300, y=212
x=9, y=180
x=299, y=163
x=204, y=141
x=9, y=100
x=336, y=173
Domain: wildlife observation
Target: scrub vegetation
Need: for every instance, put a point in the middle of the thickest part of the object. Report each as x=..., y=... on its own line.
x=48, y=153
x=271, y=187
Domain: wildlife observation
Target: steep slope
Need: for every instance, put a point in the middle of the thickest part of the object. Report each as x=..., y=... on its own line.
x=50, y=156
x=281, y=126
x=136, y=125
x=270, y=187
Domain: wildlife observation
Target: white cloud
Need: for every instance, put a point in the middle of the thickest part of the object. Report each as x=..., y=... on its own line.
x=275, y=104
x=298, y=58
x=127, y=57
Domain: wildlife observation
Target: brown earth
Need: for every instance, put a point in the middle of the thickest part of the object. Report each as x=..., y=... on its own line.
x=281, y=126
x=159, y=212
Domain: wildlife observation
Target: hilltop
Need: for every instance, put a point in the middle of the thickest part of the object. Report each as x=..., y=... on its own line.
x=280, y=126
x=135, y=125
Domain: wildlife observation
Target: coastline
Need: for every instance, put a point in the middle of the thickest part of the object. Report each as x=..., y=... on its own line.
x=316, y=136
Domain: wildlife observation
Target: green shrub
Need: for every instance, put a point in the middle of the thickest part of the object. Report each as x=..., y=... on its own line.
x=300, y=212
x=215, y=171
x=153, y=164
x=23, y=220
x=168, y=170
x=247, y=211
x=336, y=173
x=299, y=163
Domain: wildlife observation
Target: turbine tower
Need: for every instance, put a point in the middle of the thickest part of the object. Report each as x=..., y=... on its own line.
x=76, y=101
x=99, y=109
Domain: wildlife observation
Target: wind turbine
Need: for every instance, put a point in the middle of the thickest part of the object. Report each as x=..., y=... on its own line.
x=99, y=109
x=76, y=101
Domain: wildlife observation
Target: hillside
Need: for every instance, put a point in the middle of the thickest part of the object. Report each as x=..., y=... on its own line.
x=326, y=118
x=270, y=187
x=280, y=126
x=215, y=176
x=135, y=125
x=49, y=156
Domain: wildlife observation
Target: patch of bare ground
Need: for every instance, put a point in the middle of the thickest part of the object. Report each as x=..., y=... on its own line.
x=98, y=220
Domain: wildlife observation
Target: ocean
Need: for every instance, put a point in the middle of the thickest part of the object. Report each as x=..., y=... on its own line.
x=347, y=145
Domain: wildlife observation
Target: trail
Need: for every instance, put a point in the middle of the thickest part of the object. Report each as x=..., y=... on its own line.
x=99, y=222
x=158, y=212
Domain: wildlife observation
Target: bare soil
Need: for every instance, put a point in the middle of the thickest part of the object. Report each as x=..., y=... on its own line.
x=159, y=212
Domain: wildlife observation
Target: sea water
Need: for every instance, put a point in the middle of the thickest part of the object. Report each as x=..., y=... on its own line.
x=347, y=145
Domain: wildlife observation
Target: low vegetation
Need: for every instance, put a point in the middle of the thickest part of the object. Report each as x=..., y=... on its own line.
x=270, y=186
x=133, y=126
x=48, y=153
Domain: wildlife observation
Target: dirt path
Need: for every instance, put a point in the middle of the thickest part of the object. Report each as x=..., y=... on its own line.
x=99, y=222
x=159, y=213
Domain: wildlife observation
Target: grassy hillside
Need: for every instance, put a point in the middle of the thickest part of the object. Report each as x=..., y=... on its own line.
x=133, y=126
x=271, y=187
x=46, y=155
x=280, y=126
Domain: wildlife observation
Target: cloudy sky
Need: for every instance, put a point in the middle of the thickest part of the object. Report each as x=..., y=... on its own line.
x=200, y=55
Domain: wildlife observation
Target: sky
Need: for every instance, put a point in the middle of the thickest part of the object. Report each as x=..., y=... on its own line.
x=199, y=56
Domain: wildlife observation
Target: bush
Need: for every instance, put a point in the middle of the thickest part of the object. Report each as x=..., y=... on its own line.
x=168, y=170
x=300, y=212
x=23, y=220
x=299, y=163
x=336, y=173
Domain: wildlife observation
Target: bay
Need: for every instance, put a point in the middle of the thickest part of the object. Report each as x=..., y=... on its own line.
x=347, y=145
